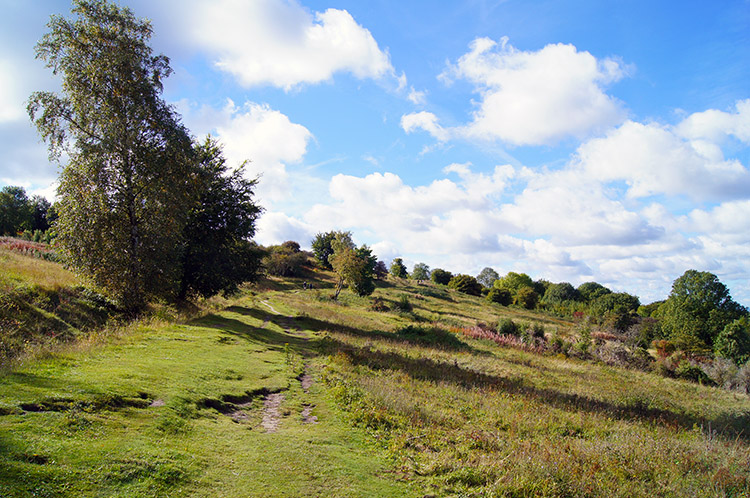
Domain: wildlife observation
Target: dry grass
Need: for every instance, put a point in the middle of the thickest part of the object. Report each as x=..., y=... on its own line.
x=18, y=269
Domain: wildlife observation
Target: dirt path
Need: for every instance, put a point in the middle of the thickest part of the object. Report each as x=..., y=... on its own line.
x=271, y=412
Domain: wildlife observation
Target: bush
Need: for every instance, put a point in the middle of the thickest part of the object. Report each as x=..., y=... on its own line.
x=430, y=336
x=507, y=327
x=527, y=298
x=284, y=262
x=379, y=305
x=403, y=304
x=499, y=296
x=440, y=276
x=689, y=371
x=733, y=342
x=466, y=284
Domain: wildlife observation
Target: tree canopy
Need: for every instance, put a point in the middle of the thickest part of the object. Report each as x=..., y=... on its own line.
x=440, y=276
x=398, y=268
x=487, y=277
x=698, y=309
x=354, y=266
x=420, y=272
x=514, y=281
x=133, y=182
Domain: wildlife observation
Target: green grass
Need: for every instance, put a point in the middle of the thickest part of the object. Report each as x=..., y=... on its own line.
x=405, y=407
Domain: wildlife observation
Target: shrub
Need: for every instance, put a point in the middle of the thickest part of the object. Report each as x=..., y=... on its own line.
x=430, y=336
x=733, y=342
x=440, y=276
x=689, y=371
x=499, y=296
x=466, y=284
x=527, y=298
x=403, y=304
x=378, y=304
x=283, y=262
x=507, y=327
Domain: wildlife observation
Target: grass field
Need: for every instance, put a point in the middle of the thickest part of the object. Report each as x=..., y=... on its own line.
x=282, y=392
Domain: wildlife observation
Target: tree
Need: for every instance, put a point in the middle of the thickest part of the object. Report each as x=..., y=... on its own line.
x=354, y=266
x=734, y=341
x=589, y=291
x=39, y=207
x=282, y=261
x=466, y=284
x=322, y=247
x=126, y=190
x=381, y=271
x=420, y=272
x=398, y=268
x=526, y=297
x=15, y=211
x=487, y=277
x=514, y=281
x=559, y=293
x=617, y=309
x=499, y=296
x=440, y=276
x=218, y=254
x=697, y=310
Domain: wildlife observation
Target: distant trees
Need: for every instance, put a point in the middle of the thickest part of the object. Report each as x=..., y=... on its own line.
x=589, y=291
x=513, y=282
x=398, y=268
x=526, y=297
x=487, y=277
x=284, y=260
x=381, y=271
x=499, y=296
x=616, y=309
x=466, y=284
x=697, y=310
x=440, y=276
x=322, y=247
x=354, y=266
x=559, y=293
x=19, y=213
x=420, y=272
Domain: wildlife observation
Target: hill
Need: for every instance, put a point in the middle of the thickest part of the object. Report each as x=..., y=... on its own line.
x=283, y=392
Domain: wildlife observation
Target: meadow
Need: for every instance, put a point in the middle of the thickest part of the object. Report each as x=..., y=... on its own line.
x=280, y=391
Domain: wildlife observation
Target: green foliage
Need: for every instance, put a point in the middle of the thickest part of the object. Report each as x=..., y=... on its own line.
x=354, y=266
x=559, y=293
x=15, y=211
x=648, y=310
x=420, y=272
x=125, y=191
x=499, y=296
x=487, y=277
x=283, y=261
x=218, y=254
x=617, y=310
x=430, y=336
x=734, y=341
x=698, y=309
x=440, y=276
x=590, y=291
x=398, y=268
x=466, y=284
x=508, y=327
x=322, y=247
x=403, y=304
x=514, y=281
x=526, y=297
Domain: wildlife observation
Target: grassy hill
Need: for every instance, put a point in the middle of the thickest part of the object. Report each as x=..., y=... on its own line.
x=282, y=392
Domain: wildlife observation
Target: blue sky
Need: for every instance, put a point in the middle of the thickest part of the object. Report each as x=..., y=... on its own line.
x=571, y=140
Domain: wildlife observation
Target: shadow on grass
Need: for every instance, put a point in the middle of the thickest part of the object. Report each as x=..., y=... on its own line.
x=728, y=425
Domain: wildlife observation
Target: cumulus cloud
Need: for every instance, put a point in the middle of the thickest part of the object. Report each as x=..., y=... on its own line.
x=426, y=121
x=280, y=43
x=445, y=215
x=532, y=98
x=573, y=210
x=714, y=125
x=653, y=159
x=275, y=227
x=256, y=133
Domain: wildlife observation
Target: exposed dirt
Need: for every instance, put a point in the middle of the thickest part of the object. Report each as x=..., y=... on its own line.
x=307, y=416
x=271, y=412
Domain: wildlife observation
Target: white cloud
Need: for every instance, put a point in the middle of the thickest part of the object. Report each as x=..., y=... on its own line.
x=572, y=210
x=416, y=97
x=280, y=43
x=425, y=121
x=713, y=125
x=275, y=228
x=652, y=159
x=254, y=132
x=535, y=98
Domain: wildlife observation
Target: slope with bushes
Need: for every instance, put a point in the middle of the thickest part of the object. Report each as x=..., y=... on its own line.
x=417, y=390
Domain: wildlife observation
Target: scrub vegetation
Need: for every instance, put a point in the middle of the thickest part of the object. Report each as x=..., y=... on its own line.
x=455, y=396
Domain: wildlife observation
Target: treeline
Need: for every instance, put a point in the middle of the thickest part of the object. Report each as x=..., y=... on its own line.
x=25, y=217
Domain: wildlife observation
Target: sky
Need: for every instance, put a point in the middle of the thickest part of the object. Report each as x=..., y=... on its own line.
x=572, y=140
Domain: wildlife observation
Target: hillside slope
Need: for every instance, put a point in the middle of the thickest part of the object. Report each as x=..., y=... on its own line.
x=286, y=393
